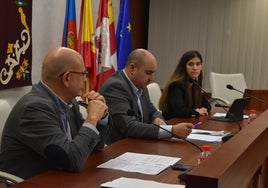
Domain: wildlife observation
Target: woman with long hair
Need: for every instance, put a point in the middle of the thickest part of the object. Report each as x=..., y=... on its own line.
x=181, y=97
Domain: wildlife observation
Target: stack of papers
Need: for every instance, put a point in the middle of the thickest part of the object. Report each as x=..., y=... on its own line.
x=142, y=163
x=218, y=114
x=134, y=183
x=206, y=135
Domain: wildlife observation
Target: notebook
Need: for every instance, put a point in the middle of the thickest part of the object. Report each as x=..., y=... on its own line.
x=235, y=112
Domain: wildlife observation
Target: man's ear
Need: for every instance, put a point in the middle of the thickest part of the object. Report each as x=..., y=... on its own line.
x=66, y=78
x=132, y=66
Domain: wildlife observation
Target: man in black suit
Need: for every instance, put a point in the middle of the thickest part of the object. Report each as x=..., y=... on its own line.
x=45, y=128
x=125, y=90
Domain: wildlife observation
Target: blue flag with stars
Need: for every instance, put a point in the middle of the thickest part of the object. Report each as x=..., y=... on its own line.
x=123, y=34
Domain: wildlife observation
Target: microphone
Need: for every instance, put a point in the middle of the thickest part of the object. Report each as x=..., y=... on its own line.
x=230, y=135
x=251, y=96
x=132, y=113
x=193, y=81
x=83, y=103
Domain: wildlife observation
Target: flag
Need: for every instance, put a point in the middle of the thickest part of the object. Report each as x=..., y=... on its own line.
x=86, y=43
x=105, y=42
x=69, y=37
x=123, y=34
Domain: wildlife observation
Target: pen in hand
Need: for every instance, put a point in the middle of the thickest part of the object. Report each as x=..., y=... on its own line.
x=83, y=103
x=197, y=124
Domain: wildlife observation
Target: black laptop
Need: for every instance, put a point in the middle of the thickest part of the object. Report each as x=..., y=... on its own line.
x=235, y=112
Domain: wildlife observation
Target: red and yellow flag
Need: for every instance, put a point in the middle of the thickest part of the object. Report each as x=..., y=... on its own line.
x=105, y=43
x=69, y=37
x=86, y=42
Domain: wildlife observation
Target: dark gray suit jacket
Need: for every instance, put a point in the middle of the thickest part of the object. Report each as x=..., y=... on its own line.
x=120, y=98
x=34, y=139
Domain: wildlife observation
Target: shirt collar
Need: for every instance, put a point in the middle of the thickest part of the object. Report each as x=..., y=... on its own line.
x=62, y=104
x=137, y=91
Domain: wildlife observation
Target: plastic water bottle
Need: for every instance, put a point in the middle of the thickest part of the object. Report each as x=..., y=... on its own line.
x=252, y=115
x=204, y=154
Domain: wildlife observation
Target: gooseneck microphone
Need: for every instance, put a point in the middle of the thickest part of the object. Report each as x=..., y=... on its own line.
x=132, y=113
x=208, y=96
x=230, y=135
x=251, y=96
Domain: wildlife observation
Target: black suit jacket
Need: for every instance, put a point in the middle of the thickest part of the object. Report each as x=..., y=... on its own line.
x=178, y=102
x=34, y=139
x=120, y=98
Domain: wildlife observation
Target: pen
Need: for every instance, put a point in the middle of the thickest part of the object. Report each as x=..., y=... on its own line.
x=197, y=124
x=83, y=103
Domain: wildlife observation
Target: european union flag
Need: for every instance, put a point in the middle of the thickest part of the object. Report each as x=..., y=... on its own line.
x=123, y=34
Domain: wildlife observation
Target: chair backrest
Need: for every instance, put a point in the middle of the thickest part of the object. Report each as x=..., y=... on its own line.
x=9, y=179
x=218, y=82
x=154, y=93
x=6, y=178
x=5, y=109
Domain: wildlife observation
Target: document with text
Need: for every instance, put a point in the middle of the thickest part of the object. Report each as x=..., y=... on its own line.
x=206, y=135
x=142, y=163
x=134, y=183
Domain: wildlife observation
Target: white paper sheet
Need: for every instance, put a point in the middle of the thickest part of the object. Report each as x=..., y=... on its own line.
x=134, y=183
x=218, y=114
x=142, y=163
x=206, y=135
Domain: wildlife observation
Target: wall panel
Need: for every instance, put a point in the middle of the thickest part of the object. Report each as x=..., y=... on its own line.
x=230, y=34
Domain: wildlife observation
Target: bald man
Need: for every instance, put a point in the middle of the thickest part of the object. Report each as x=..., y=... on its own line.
x=45, y=128
x=123, y=93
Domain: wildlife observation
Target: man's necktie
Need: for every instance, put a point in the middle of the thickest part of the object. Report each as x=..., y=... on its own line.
x=138, y=94
x=64, y=117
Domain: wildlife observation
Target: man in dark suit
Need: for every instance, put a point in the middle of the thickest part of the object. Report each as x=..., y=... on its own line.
x=45, y=128
x=125, y=90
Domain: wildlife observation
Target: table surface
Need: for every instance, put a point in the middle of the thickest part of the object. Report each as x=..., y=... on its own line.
x=91, y=176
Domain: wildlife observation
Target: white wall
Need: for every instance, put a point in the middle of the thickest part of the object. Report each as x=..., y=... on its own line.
x=47, y=27
x=230, y=34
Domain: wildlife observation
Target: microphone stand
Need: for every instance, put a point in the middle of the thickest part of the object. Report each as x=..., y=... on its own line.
x=230, y=135
x=251, y=96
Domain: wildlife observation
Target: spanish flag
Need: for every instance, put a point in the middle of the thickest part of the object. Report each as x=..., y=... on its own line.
x=105, y=42
x=69, y=38
x=86, y=42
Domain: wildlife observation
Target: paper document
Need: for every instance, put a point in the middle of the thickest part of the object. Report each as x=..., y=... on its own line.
x=218, y=114
x=134, y=183
x=142, y=163
x=206, y=135
x=207, y=132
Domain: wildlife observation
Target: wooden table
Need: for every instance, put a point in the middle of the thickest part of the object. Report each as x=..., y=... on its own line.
x=214, y=167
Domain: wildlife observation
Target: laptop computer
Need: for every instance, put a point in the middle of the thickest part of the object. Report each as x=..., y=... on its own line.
x=235, y=112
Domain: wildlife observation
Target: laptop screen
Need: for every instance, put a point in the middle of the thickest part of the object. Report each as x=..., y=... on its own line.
x=235, y=112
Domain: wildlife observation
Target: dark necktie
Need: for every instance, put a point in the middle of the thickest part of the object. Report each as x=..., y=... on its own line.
x=138, y=94
x=64, y=117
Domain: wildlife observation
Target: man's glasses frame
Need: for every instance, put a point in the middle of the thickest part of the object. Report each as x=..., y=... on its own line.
x=85, y=73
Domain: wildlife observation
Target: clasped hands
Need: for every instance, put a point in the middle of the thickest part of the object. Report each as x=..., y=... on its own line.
x=97, y=108
x=202, y=111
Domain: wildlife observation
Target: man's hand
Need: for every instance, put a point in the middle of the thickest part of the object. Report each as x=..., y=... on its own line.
x=158, y=121
x=97, y=108
x=182, y=129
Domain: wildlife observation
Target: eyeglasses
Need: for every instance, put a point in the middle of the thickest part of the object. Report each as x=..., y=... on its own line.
x=85, y=73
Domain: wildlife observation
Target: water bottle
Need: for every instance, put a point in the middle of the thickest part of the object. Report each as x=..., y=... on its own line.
x=204, y=154
x=252, y=115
